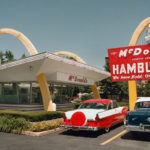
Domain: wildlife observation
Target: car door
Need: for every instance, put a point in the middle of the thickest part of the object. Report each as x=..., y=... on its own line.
x=119, y=115
x=112, y=111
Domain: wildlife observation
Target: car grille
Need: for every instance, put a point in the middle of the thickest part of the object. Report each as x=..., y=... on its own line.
x=137, y=120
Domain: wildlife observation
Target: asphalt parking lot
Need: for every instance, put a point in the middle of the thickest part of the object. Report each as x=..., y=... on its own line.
x=68, y=140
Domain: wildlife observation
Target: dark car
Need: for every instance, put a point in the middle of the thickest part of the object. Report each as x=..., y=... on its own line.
x=139, y=119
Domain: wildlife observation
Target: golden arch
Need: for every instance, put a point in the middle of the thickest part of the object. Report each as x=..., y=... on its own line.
x=25, y=41
x=77, y=58
x=132, y=84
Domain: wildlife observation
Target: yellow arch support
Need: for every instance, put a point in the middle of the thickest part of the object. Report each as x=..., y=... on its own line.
x=47, y=100
x=26, y=42
x=95, y=91
x=77, y=58
x=132, y=84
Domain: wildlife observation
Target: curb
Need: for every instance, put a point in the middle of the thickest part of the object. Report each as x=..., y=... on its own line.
x=30, y=133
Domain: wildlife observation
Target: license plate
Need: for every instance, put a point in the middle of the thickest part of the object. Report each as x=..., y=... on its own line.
x=75, y=129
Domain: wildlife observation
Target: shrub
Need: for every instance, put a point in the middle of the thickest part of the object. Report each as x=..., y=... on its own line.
x=33, y=116
x=123, y=104
x=13, y=125
x=86, y=97
x=45, y=125
x=76, y=105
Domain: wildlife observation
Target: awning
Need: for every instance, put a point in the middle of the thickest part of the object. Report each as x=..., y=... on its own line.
x=55, y=68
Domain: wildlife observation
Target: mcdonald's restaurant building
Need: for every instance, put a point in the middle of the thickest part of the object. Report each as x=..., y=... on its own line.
x=19, y=89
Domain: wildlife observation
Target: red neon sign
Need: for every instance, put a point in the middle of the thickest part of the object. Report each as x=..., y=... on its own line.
x=77, y=79
x=130, y=63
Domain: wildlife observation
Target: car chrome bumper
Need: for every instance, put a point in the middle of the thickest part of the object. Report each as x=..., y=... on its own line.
x=142, y=128
x=79, y=127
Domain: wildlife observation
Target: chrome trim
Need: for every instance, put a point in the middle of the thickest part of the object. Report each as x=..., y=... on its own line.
x=141, y=128
x=80, y=127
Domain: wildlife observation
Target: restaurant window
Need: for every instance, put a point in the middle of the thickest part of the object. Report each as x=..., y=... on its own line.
x=10, y=89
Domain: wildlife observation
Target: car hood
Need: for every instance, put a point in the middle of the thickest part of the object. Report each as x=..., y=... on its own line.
x=139, y=116
x=89, y=113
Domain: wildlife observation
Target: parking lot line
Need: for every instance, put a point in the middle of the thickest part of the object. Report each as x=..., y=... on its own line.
x=114, y=137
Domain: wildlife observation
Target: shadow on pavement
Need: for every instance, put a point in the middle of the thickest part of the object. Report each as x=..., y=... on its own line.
x=88, y=134
x=138, y=136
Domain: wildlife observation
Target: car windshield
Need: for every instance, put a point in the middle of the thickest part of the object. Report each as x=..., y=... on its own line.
x=144, y=104
x=93, y=106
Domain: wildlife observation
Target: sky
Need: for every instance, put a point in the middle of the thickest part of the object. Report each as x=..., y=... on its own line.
x=84, y=27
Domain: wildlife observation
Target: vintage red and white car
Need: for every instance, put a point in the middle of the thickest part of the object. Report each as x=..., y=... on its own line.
x=95, y=114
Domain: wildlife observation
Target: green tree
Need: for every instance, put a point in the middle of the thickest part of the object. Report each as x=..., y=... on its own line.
x=6, y=56
x=9, y=56
x=113, y=90
x=23, y=56
x=145, y=89
x=86, y=97
x=106, y=67
x=1, y=57
x=87, y=89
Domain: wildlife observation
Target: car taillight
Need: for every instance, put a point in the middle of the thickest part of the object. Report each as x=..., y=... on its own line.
x=64, y=117
x=125, y=122
x=97, y=118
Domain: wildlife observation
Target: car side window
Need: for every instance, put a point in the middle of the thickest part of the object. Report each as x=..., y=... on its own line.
x=115, y=104
x=110, y=106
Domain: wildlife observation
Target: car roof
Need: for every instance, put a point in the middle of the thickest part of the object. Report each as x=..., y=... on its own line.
x=105, y=101
x=141, y=99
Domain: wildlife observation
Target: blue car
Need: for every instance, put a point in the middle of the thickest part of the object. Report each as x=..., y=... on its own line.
x=139, y=119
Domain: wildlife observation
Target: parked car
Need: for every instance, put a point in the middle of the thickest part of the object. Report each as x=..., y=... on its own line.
x=95, y=114
x=139, y=119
